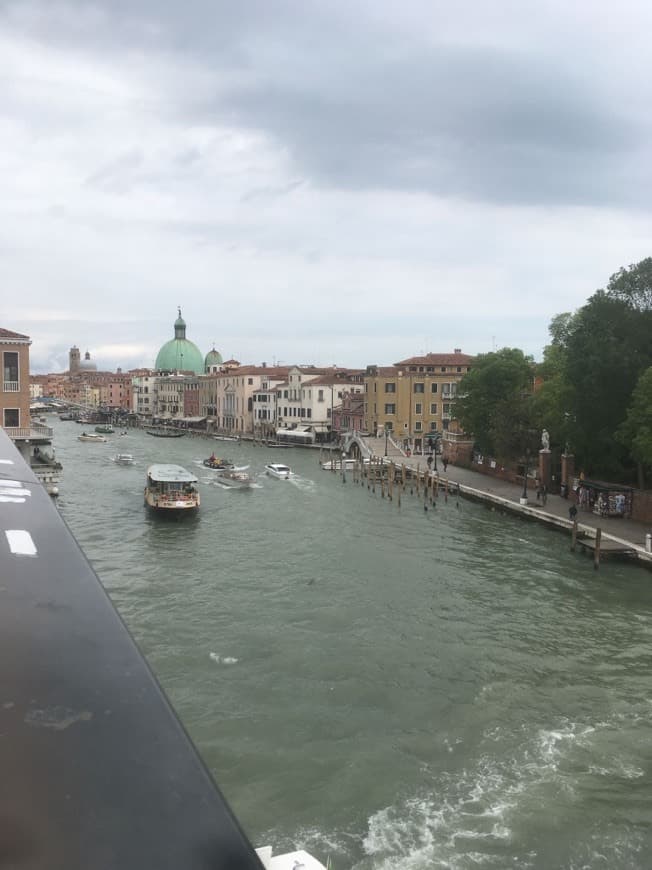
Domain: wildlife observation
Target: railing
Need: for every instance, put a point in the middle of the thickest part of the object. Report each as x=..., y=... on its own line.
x=21, y=432
x=11, y=387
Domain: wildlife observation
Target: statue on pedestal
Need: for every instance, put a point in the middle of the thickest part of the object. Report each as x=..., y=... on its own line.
x=545, y=440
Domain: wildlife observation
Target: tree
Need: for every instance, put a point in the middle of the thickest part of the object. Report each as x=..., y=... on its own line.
x=494, y=402
x=633, y=285
x=636, y=431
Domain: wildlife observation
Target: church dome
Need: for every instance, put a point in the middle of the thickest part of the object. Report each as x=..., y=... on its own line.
x=180, y=354
x=213, y=360
x=86, y=364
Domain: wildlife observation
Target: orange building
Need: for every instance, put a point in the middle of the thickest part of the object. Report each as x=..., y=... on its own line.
x=14, y=397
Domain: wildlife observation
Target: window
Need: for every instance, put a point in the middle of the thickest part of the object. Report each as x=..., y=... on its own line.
x=433, y=388
x=419, y=388
x=10, y=373
x=390, y=388
x=446, y=409
x=250, y=381
x=417, y=426
x=418, y=408
x=11, y=417
x=390, y=409
x=320, y=395
x=433, y=427
x=433, y=407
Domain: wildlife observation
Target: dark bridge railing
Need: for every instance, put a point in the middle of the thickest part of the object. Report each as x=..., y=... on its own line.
x=96, y=771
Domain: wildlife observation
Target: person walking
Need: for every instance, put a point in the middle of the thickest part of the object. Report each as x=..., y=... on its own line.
x=445, y=464
x=572, y=512
x=544, y=494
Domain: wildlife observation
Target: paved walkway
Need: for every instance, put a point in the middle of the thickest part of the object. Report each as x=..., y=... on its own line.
x=556, y=508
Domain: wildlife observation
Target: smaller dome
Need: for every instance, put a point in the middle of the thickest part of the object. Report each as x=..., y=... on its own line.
x=86, y=364
x=213, y=358
x=179, y=322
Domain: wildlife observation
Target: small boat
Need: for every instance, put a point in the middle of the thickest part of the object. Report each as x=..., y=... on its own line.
x=238, y=478
x=165, y=432
x=216, y=463
x=123, y=459
x=279, y=471
x=66, y=417
x=91, y=436
x=105, y=429
x=226, y=438
x=171, y=489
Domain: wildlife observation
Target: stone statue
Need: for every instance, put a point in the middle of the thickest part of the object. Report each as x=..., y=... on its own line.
x=545, y=440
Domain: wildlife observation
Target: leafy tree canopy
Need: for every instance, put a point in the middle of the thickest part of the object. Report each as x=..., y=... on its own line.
x=633, y=285
x=636, y=431
x=494, y=402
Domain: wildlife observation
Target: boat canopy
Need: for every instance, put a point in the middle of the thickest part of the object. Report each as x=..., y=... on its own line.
x=170, y=474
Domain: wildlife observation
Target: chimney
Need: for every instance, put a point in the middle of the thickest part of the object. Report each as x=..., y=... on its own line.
x=458, y=350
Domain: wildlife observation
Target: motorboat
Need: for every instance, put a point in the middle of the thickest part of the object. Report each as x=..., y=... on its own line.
x=171, y=489
x=123, y=459
x=216, y=463
x=226, y=438
x=92, y=437
x=278, y=470
x=105, y=429
x=238, y=478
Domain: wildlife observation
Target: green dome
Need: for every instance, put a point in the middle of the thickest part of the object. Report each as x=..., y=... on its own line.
x=180, y=354
x=213, y=358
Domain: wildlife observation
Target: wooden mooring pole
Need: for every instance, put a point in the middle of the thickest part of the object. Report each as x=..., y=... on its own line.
x=574, y=536
x=596, y=555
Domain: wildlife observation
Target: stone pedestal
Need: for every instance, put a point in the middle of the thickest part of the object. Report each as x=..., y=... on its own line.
x=567, y=468
x=545, y=468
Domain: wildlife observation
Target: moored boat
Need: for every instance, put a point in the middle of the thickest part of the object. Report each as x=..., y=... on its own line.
x=165, y=432
x=92, y=437
x=278, y=470
x=171, y=489
x=226, y=438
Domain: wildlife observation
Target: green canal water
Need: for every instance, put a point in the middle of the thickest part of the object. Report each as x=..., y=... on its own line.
x=388, y=688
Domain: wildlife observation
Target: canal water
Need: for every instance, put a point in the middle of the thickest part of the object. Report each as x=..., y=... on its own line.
x=388, y=688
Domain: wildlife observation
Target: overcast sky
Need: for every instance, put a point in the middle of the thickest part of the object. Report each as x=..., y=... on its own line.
x=316, y=182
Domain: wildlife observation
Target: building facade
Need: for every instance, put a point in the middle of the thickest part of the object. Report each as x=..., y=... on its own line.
x=14, y=398
x=415, y=398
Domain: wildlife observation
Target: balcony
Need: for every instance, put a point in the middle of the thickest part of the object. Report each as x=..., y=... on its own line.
x=11, y=386
x=28, y=433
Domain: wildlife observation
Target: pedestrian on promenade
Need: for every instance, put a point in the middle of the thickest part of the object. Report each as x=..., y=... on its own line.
x=544, y=494
x=572, y=512
x=445, y=462
x=538, y=490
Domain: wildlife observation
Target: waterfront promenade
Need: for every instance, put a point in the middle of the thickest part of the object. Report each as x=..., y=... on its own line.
x=503, y=494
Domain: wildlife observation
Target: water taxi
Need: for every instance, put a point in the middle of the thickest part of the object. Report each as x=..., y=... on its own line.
x=92, y=437
x=279, y=471
x=238, y=478
x=123, y=459
x=170, y=488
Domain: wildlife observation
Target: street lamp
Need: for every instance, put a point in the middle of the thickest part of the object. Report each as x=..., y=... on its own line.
x=527, y=464
x=386, y=437
x=434, y=450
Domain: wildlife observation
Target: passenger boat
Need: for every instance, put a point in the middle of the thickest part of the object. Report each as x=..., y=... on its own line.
x=171, y=489
x=216, y=463
x=91, y=436
x=279, y=471
x=238, y=478
x=123, y=459
x=105, y=429
x=165, y=432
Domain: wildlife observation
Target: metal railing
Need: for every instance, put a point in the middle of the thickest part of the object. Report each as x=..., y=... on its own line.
x=11, y=386
x=22, y=432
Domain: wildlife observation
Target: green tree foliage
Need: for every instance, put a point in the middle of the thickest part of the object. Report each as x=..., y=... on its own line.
x=636, y=431
x=633, y=285
x=494, y=402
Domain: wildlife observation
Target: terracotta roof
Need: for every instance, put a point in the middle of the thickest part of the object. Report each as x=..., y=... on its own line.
x=7, y=333
x=438, y=359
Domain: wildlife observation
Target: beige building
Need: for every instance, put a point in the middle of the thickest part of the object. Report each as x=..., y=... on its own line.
x=414, y=398
x=14, y=397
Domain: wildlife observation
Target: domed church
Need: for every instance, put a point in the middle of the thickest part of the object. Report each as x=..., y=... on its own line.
x=180, y=354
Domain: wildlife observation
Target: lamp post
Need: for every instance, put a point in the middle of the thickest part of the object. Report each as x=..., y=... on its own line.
x=527, y=464
x=434, y=450
x=386, y=437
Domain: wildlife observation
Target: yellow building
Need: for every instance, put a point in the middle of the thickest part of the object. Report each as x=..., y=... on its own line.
x=414, y=398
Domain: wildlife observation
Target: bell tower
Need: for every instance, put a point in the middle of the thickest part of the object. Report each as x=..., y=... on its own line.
x=73, y=360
